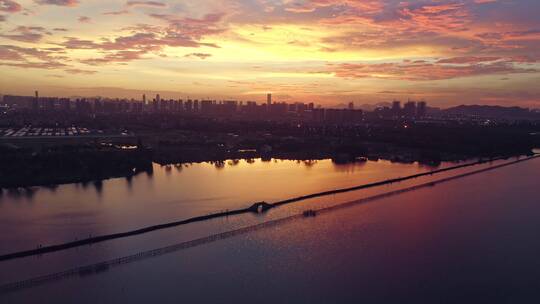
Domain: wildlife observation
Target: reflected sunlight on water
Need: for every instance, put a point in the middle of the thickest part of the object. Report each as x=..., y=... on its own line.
x=453, y=239
x=46, y=215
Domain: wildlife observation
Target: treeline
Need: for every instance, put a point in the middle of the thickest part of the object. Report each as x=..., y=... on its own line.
x=23, y=168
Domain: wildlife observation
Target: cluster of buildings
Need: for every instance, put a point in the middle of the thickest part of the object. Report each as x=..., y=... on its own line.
x=212, y=108
x=410, y=109
x=28, y=131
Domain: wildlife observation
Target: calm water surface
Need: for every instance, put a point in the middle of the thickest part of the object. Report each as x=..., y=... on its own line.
x=469, y=240
x=43, y=215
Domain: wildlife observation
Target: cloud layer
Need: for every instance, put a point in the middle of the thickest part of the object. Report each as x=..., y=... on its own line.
x=298, y=48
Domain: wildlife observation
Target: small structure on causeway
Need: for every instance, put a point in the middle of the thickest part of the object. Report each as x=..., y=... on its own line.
x=260, y=207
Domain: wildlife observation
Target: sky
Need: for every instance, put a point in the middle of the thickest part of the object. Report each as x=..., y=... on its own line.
x=446, y=52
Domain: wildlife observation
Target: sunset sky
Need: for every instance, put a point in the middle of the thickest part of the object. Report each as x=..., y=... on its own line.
x=447, y=52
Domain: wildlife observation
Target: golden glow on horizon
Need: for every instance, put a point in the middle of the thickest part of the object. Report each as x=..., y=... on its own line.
x=328, y=51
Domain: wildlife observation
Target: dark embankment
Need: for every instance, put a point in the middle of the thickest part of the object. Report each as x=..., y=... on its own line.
x=24, y=168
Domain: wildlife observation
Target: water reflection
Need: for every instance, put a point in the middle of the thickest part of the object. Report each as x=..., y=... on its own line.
x=84, y=185
x=347, y=167
x=219, y=165
x=129, y=183
x=168, y=169
x=435, y=256
x=51, y=188
x=233, y=162
x=17, y=194
x=310, y=163
x=98, y=185
x=150, y=172
x=168, y=193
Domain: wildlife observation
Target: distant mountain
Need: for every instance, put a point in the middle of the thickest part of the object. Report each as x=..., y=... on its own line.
x=492, y=112
x=433, y=110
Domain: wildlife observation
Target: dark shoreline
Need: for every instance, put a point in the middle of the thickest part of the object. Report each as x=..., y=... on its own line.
x=49, y=169
x=125, y=145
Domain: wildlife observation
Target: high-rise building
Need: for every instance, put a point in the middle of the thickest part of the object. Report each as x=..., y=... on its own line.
x=206, y=106
x=351, y=105
x=301, y=107
x=409, y=109
x=396, y=108
x=35, y=102
x=163, y=105
x=180, y=105
x=65, y=104
x=155, y=105
x=144, y=99
x=421, y=109
x=269, y=99
x=189, y=105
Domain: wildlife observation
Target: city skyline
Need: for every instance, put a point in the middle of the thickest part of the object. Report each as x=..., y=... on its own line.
x=448, y=52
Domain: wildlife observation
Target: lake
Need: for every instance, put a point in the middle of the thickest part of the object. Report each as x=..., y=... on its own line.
x=42, y=215
x=472, y=239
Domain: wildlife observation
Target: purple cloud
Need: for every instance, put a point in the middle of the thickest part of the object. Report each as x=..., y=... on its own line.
x=146, y=3
x=58, y=2
x=116, y=13
x=9, y=6
x=84, y=19
x=198, y=55
x=26, y=34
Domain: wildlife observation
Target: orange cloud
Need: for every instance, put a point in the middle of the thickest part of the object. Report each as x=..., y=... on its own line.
x=302, y=48
x=426, y=71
